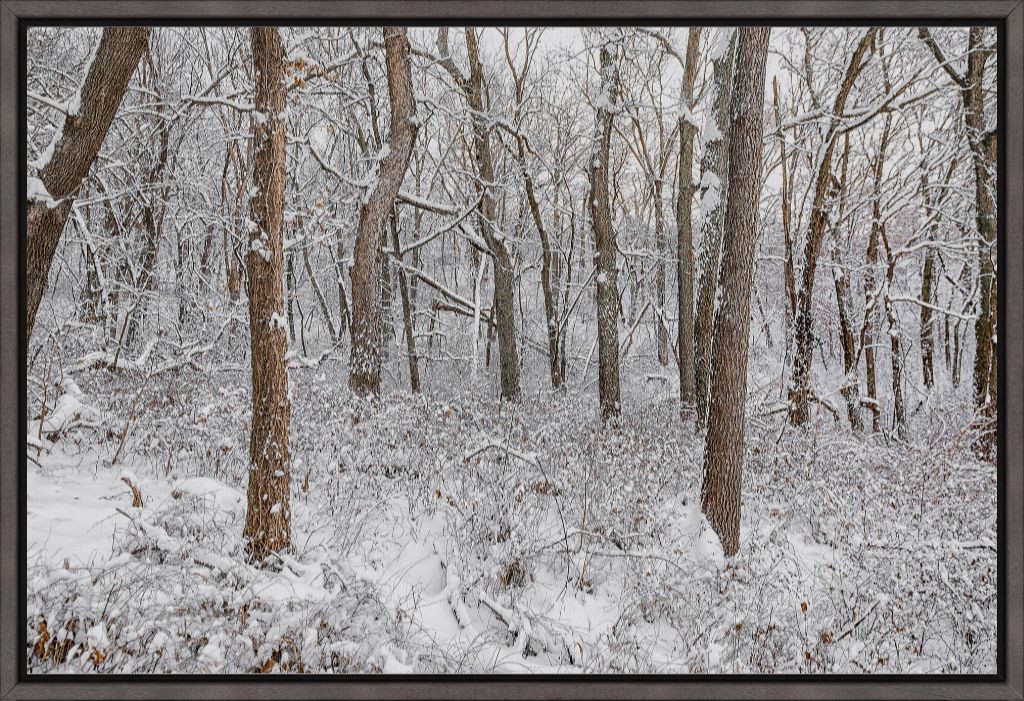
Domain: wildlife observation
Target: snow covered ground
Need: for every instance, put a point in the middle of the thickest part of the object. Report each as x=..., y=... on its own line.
x=454, y=534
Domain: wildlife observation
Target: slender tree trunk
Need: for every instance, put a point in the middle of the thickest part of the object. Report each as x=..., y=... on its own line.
x=660, y=273
x=365, y=364
x=723, y=453
x=800, y=390
x=504, y=266
x=318, y=292
x=604, y=240
x=714, y=166
x=548, y=274
x=983, y=154
x=268, y=511
x=407, y=310
x=684, y=223
x=896, y=357
x=850, y=389
x=73, y=153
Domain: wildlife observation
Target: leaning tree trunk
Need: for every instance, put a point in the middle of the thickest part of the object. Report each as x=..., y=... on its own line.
x=800, y=390
x=684, y=223
x=73, y=153
x=268, y=513
x=723, y=452
x=714, y=166
x=365, y=364
x=604, y=243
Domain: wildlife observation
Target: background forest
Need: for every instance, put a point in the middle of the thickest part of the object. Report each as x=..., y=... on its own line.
x=363, y=349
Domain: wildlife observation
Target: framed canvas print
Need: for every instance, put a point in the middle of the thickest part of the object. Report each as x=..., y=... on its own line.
x=441, y=349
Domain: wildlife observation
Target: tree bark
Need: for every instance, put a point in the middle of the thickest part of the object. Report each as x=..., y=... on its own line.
x=365, y=364
x=74, y=152
x=604, y=240
x=982, y=144
x=504, y=267
x=684, y=223
x=850, y=390
x=799, y=393
x=723, y=452
x=268, y=511
x=407, y=310
x=714, y=166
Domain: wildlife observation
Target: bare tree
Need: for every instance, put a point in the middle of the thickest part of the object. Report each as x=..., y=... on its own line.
x=604, y=237
x=800, y=392
x=684, y=221
x=71, y=154
x=714, y=167
x=268, y=512
x=365, y=365
x=724, y=445
x=982, y=143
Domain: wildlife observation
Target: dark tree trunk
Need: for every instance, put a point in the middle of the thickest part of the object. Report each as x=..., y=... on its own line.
x=850, y=390
x=407, y=310
x=684, y=225
x=81, y=137
x=365, y=364
x=714, y=166
x=268, y=511
x=800, y=390
x=604, y=241
x=723, y=452
x=504, y=266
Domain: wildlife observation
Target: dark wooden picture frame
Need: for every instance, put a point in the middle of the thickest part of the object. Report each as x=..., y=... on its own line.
x=1007, y=14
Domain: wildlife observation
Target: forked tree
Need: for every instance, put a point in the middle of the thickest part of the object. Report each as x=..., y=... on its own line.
x=376, y=212
x=268, y=514
x=723, y=453
x=71, y=153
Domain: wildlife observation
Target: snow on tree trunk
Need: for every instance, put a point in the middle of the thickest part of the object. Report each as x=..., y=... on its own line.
x=365, y=363
x=504, y=266
x=800, y=389
x=72, y=153
x=684, y=223
x=604, y=240
x=723, y=453
x=714, y=167
x=268, y=513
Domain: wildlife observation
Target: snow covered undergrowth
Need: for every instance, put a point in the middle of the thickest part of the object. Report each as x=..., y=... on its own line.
x=459, y=535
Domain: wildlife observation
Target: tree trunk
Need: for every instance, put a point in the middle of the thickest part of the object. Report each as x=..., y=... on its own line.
x=684, y=224
x=871, y=288
x=268, y=512
x=850, y=389
x=604, y=241
x=896, y=358
x=407, y=310
x=983, y=154
x=714, y=166
x=74, y=152
x=504, y=268
x=365, y=364
x=548, y=274
x=799, y=393
x=723, y=452
x=660, y=273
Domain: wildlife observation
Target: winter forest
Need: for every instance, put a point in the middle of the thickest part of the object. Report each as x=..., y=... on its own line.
x=511, y=349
